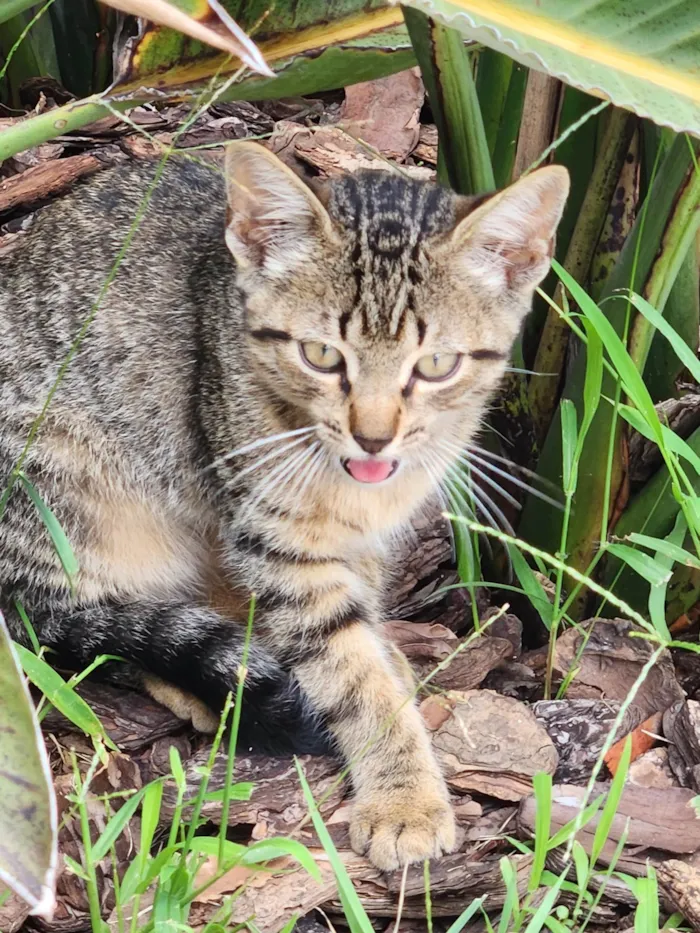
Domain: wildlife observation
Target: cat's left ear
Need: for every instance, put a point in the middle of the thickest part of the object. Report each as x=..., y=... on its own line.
x=273, y=218
x=507, y=243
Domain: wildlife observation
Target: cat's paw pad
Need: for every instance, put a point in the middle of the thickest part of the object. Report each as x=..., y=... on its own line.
x=392, y=832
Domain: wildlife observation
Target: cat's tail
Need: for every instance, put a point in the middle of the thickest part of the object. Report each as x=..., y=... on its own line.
x=194, y=649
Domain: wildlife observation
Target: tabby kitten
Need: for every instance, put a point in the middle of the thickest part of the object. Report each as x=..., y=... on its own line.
x=267, y=393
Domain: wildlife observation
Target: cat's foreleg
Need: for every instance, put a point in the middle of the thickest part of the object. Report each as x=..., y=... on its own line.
x=402, y=811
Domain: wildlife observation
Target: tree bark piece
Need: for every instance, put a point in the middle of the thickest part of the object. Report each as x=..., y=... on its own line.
x=49, y=179
x=385, y=113
x=680, y=883
x=491, y=744
x=426, y=645
x=681, y=725
x=610, y=664
x=277, y=803
x=661, y=823
x=579, y=729
x=132, y=720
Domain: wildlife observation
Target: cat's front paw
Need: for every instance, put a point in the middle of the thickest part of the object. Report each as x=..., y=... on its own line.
x=393, y=829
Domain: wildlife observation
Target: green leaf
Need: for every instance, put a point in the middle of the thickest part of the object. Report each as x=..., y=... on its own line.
x=642, y=563
x=240, y=791
x=681, y=348
x=612, y=802
x=355, y=913
x=657, y=596
x=581, y=864
x=568, y=443
x=150, y=816
x=116, y=825
x=28, y=831
x=643, y=63
x=61, y=695
x=57, y=534
x=466, y=915
x=531, y=585
x=542, y=786
x=511, y=904
x=370, y=40
x=447, y=71
x=547, y=905
x=266, y=849
x=665, y=546
x=205, y=20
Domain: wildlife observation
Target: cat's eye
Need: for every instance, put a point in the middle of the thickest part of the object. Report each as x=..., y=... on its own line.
x=321, y=356
x=437, y=366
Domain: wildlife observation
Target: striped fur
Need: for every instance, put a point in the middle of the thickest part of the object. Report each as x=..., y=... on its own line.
x=156, y=454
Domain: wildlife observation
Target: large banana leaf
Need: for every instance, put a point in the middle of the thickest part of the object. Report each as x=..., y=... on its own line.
x=368, y=41
x=643, y=56
x=28, y=852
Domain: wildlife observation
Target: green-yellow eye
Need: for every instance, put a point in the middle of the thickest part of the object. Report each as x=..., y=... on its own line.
x=437, y=366
x=321, y=356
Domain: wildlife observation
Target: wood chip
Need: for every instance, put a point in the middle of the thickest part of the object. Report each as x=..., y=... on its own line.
x=680, y=884
x=681, y=726
x=52, y=178
x=579, y=729
x=493, y=745
x=427, y=645
x=610, y=664
x=652, y=770
x=654, y=821
x=384, y=113
x=642, y=739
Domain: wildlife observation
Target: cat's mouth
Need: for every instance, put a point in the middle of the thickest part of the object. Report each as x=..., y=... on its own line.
x=370, y=470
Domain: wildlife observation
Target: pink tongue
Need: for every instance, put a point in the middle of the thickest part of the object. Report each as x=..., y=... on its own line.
x=369, y=471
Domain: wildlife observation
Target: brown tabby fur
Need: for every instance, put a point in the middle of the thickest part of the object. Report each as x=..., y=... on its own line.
x=193, y=356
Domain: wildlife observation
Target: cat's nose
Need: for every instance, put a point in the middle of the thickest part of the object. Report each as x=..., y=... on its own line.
x=372, y=445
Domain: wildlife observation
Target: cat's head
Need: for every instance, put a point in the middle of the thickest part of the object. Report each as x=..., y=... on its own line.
x=383, y=311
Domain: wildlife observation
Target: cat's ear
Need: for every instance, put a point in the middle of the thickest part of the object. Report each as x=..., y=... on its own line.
x=273, y=218
x=507, y=243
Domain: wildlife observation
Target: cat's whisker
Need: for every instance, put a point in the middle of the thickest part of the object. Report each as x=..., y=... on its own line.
x=310, y=470
x=485, y=478
x=279, y=476
x=278, y=471
x=262, y=442
x=490, y=455
x=469, y=459
x=483, y=501
x=261, y=460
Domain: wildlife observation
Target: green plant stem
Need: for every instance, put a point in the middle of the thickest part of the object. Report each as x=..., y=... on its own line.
x=447, y=73
x=38, y=129
x=493, y=76
x=554, y=340
x=678, y=238
x=233, y=738
x=557, y=613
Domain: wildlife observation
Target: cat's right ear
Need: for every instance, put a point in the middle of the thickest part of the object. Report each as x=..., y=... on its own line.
x=273, y=219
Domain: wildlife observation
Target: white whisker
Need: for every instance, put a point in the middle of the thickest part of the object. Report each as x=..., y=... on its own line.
x=261, y=460
x=483, y=501
x=491, y=482
x=262, y=442
x=312, y=470
x=278, y=474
